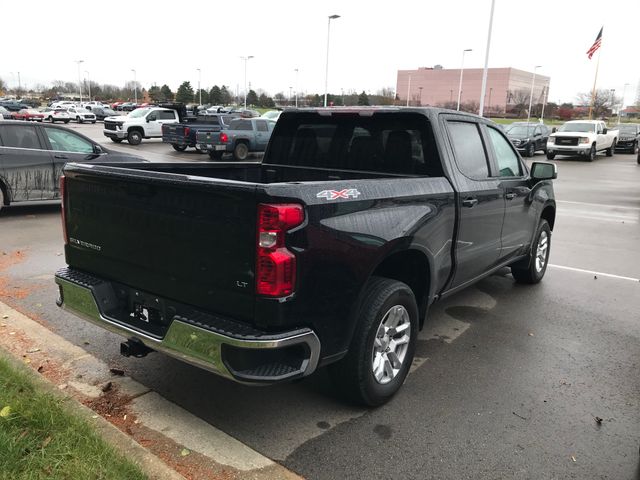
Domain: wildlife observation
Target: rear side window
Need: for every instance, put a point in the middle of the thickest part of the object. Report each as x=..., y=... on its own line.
x=261, y=126
x=167, y=115
x=470, y=154
x=397, y=143
x=20, y=136
x=240, y=125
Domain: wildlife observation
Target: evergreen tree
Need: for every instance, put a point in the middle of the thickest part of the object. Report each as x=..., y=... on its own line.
x=265, y=102
x=363, y=99
x=215, y=95
x=252, y=98
x=166, y=95
x=154, y=93
x=184, y=93
x=227, y=98
x=205, y=96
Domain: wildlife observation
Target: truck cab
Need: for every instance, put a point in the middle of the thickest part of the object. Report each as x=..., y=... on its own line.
x=140, y=123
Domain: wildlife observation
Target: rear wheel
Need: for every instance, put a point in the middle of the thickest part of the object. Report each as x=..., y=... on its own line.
x=216, y=155
x=241, y=151
x=179, y=148
x=1, y=198
x=533, y=268
x=66, y=121
x=134, y=137
x=383, y=344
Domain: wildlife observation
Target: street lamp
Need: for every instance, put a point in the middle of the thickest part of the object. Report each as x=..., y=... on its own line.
x=135, y=86
x=246, y=59
x=290, y=89
x=533, y=81
x=88, y=83
x=296, y=70
x=326, y=70
x=79, y=81
x=199, y=89
x=461, y=71
x=485, y=70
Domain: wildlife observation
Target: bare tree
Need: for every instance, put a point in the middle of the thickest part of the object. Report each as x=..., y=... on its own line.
x=603, y=102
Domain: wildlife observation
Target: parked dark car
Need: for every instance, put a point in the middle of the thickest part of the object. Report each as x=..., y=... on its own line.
x=32, y=157
x=528, y=138
x=329, y=252
x=14, y=106
x=629, y=137
x=101, y=112
x=184, y=134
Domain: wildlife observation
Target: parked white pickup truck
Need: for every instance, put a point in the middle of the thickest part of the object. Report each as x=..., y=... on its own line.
x=140, y=123
x=582, y=137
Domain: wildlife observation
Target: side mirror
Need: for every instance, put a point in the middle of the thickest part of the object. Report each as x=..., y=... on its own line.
x=554, y=130
x=543, y=171
x=604, y=131
x=97, y=149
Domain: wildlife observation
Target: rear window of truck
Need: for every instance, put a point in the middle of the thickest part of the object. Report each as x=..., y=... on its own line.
x=398, y=143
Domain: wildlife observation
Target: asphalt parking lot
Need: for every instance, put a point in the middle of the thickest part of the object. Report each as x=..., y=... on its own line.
x=509, y=379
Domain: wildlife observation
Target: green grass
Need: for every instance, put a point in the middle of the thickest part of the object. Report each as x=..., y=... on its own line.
x=41, y=438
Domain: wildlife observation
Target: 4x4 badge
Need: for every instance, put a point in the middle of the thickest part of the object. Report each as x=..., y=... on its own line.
x=335, y=194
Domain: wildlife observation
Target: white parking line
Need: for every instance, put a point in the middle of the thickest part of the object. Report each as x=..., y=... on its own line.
x=597, y=205
x=592, y=272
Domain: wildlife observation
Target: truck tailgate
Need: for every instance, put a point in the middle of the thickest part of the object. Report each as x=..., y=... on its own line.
x=185, y=238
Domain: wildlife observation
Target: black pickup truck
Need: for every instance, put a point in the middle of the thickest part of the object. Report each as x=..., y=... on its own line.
x=330, y=251
x=182, y=135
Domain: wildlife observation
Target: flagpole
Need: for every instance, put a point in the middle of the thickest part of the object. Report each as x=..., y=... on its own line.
x=595, y=80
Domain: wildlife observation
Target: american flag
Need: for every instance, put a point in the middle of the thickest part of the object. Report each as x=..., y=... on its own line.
x=596, y=45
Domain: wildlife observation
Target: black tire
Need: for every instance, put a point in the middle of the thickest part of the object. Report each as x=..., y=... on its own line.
x=241, y=151
x=634, y=149
x=66, y=121
x=116, y=140
x=216, y=155
x=551, y=156
x=2, y=205
x=530, y=151
x=530, y=270
x=93, y=122
x=592, y=153
x=79, y=120
x=134, y=137
x=611, y=149
x=179, y=148
x=353, y=374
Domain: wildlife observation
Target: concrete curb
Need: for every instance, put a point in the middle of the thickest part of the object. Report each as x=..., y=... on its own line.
x=88, y=376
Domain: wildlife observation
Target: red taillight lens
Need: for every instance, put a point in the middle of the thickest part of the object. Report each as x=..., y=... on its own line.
x=275, y=265
x=186, y=131
x=224, y=138
x=63, y=197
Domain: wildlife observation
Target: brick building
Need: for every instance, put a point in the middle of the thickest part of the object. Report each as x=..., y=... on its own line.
x=437, y=86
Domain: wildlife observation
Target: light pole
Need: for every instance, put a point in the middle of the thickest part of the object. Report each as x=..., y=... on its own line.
x=544, y=104
x=246, y=59
x=290, y=89
x=326, y=69
x=135, y=86
x=79, y=62
x=489, y=102
x=624, y=94
x=533, y=81
x=199, y=90
x=485, y=70
x=296, y=70
x=461, y=71
x=88, y=83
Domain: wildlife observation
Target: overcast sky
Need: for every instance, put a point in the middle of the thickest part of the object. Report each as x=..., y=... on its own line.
x=166, y=42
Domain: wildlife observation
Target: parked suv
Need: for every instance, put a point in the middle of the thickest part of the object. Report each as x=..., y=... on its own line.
x=81, y=114
x=528, y=138
x=140, y=123
x=32, y=157
x=629, y=137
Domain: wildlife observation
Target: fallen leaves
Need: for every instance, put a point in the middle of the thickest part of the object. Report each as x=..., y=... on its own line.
x=5, y=412
x=185, y=452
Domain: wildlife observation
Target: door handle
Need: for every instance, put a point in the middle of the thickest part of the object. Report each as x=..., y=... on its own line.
x=510, y=196
x=62, y=157
x=470, y=202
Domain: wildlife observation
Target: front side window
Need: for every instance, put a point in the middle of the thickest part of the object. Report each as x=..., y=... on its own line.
x=469, y=150
x=64, y=141
x=507, y=159
x=20, y=136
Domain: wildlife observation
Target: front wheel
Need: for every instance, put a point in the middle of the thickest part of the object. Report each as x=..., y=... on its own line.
x=634, y=149
x=134, y=137
x=532, y=269
x=79, y=120
x=241, y=151
x=611, y=149
x=592, y=154
x=179, y=148
x=116, y=140
x=551, y=156
x=216, y=155
x=383, y=344
x=530, y=150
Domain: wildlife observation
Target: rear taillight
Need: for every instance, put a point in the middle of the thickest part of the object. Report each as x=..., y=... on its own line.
x=275, y=265
x=186, y=131
x=63, y=197
x=224, y=138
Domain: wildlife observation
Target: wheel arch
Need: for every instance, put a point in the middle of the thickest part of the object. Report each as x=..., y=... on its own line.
x=549, y=214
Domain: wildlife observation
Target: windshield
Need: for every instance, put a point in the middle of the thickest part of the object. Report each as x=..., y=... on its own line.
x=577, y=127
x=519, y=130
x=139, y=112
x=627, y=128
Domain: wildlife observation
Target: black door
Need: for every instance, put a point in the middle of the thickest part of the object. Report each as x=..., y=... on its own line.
x=480, y=202
x=27, y=165
x=519, y=219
